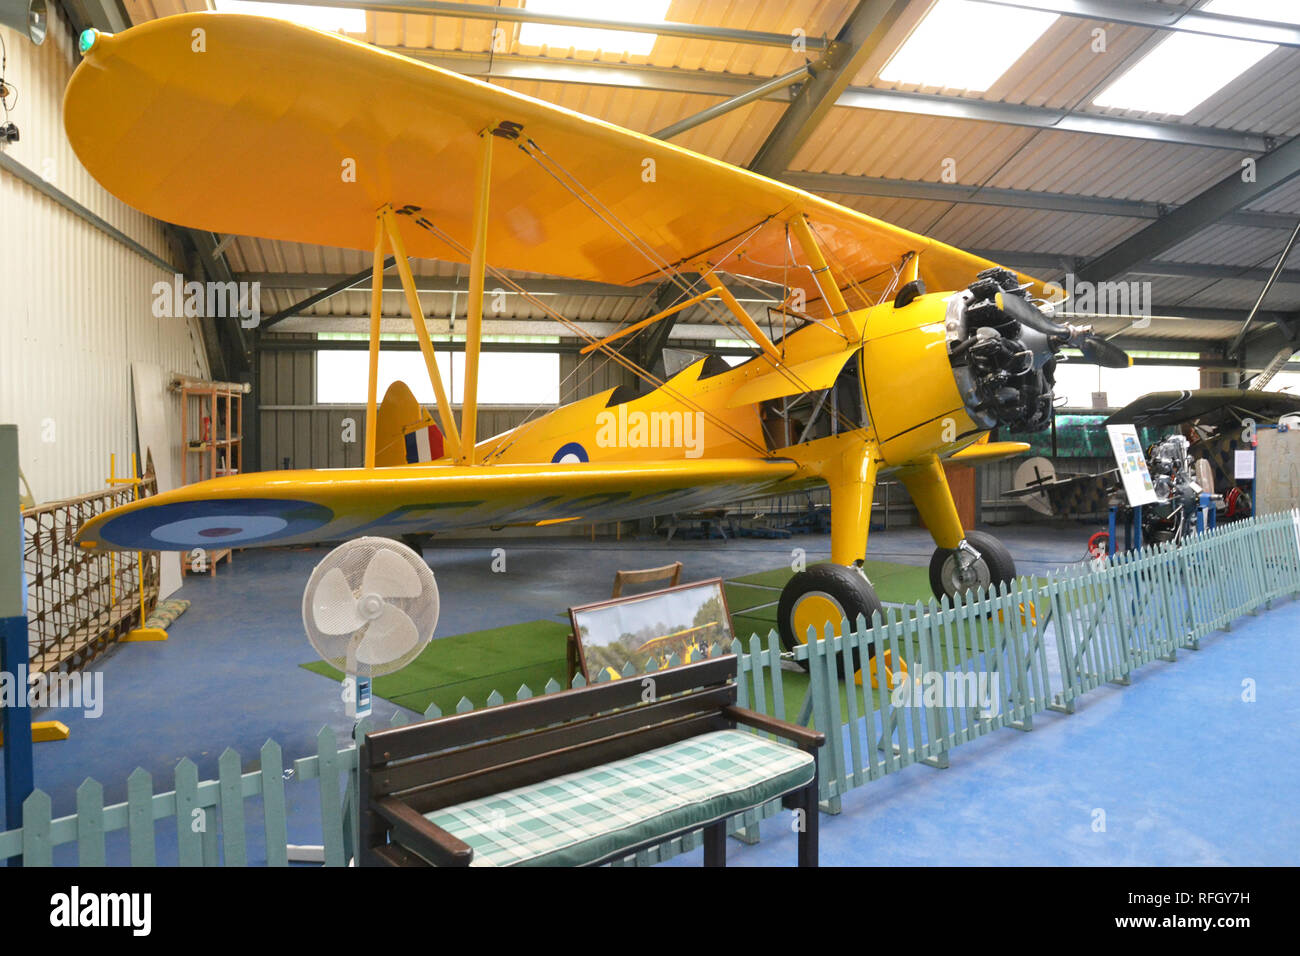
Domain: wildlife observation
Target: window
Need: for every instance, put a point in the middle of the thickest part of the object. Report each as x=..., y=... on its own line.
x=559, y=37
x=1284, y=382
x=1186, y=69
x=1077, y=382
x=505, y=378
x=963, y=45
x=329, y=19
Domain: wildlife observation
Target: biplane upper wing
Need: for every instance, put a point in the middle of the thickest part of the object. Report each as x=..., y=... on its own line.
x=301, y=507
x=1205, y=406
x=253, y=126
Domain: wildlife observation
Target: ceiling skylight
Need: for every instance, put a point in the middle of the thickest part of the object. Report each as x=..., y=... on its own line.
x=329, y=19
x=558, y=37
x=1186, y=69
x=963, y=45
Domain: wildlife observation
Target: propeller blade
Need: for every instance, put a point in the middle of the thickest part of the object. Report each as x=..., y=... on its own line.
x=1098, y=351
x=333, y=606
x=388, y=637
x=1027, y=314
x=389, y=576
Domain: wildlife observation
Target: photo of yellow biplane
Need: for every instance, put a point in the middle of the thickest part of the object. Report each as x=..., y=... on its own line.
x=891, y=354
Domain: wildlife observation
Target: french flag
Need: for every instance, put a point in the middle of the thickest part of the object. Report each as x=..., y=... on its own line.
x=423, y=444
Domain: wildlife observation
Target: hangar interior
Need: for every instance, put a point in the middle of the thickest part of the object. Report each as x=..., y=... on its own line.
x=1140, y=156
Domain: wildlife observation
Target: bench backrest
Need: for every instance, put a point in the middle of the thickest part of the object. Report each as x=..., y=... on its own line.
x=449, y=760
x=672, y=573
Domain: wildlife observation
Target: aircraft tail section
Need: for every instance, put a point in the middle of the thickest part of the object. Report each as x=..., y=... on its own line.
x=405, y=433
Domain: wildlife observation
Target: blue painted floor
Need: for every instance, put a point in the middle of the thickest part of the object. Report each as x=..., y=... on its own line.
x=1174, y=770
x=1184, y=771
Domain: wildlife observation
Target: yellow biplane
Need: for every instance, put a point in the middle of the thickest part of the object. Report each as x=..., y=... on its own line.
x=249, y=126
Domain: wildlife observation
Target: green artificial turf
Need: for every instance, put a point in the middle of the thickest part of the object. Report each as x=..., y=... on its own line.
x=503, y=658
x=473, y=665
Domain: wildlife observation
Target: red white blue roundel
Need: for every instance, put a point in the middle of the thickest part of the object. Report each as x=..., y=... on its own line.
x=218, y=523
x=570, y=454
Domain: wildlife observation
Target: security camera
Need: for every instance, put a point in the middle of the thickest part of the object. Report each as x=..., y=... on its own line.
x=8, y=133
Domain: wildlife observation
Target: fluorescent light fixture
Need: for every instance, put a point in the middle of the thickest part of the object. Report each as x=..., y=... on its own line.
x=558, y=37
x=329, y=19
x=962, y=45
x=1186, y=69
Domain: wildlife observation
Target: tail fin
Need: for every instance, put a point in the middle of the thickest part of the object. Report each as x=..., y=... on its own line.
x=404, y=432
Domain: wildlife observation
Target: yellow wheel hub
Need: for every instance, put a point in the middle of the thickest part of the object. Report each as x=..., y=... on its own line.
x=893, y=675
x=815, y=609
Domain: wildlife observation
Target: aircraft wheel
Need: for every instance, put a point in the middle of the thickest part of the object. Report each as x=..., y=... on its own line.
x=993, y=567
x=824, y=593
x=1099, y=544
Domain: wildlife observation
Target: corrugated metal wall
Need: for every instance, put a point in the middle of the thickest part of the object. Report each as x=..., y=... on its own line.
x=298, y=433
x=75, y=304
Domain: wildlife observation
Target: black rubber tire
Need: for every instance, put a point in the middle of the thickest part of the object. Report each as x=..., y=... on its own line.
x=847, y=586
x=993, y=553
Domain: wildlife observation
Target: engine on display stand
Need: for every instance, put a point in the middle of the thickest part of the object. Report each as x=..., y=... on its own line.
x=1174, y=480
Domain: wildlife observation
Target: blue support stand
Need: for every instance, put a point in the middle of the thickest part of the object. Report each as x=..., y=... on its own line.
x=1132, y=529
x=1207, y=516
x=15, y=715
x=16, y=721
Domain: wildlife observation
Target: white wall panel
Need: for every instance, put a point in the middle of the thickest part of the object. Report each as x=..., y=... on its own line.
x=75, y=303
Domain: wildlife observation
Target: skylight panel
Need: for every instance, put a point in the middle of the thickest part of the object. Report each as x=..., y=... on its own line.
x=329, y=19
x=1186, y=69
x=558, y=37
x=963, y=45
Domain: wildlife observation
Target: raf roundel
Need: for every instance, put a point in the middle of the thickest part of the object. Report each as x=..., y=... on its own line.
x=570, y=454
x=220, y=522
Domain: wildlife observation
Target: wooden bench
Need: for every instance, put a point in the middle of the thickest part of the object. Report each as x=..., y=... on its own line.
x=672, y=573
x=583, y=777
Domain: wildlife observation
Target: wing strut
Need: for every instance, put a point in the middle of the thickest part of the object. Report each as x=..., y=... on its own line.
x=474, y=314
x=749, y=325
x=831, y=293
x=376, y=312
x=451, y=434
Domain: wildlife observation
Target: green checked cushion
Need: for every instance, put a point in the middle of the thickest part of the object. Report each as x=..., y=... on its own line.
x=586, y=816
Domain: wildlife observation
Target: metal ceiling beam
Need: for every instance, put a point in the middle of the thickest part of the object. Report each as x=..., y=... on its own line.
x=726, y=106
x=324, y=281
x=1162, y=16
x=333, y=289
x=861, y=34
x=1010, y=198
x=538, y=69
x=1050, y=263
x=1271, y=171
x=1039, y=117
x=480, y=11
x=709, y=83
x=1263, y=293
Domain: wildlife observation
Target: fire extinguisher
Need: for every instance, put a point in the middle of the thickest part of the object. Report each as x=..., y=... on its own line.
x=207, y=428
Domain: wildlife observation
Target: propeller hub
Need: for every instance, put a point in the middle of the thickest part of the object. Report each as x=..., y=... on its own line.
x=370, y=606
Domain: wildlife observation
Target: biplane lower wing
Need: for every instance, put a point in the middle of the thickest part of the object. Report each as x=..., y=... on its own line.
x=982, y=452
x=300, y=507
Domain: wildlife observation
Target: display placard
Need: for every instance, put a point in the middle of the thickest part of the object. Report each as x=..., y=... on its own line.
x=1132, y=462
x=1243, y=464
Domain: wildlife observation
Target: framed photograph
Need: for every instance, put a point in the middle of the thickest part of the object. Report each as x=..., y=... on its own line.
x=685, y=621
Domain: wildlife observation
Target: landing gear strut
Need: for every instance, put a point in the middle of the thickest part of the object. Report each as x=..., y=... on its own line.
x=980, y=561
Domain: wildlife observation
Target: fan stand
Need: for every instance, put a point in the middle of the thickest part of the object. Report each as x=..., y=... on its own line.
x=357, y=703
